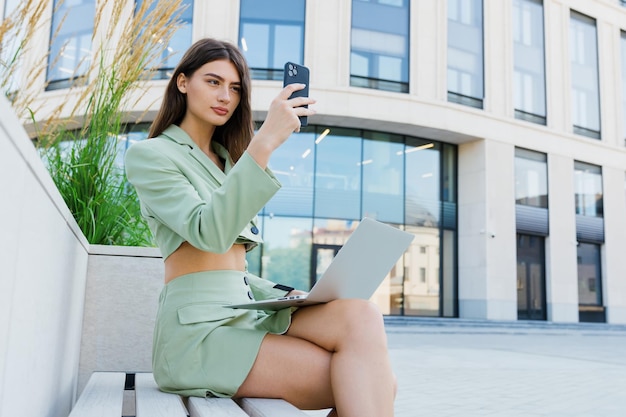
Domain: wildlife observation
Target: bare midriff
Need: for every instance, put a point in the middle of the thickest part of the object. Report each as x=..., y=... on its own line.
x=187, y=259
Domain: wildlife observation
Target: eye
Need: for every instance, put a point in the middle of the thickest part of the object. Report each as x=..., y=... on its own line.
x=236, y=89
x=212, y=81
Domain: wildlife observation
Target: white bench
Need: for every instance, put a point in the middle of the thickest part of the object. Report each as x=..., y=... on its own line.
x=105, y=394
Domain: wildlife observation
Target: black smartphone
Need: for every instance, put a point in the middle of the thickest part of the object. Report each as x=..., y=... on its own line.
x=295, y=73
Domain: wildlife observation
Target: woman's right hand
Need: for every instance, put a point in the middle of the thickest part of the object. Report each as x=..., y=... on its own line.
x=281, y=121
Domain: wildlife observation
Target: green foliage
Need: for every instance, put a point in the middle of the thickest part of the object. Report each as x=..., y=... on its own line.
x=288, y=266
x=95, y=189
x=83, y=166
x=82, y=154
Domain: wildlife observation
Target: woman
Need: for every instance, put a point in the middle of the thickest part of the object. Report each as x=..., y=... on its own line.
x=201, y=180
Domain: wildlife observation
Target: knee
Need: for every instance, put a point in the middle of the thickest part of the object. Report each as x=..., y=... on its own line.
x=357, y=309
x=360, y=315
x=394, y=385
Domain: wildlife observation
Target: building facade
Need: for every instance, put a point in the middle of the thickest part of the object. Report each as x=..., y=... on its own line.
x=493, y=130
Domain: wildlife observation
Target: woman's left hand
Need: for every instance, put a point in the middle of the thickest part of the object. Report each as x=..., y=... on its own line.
x=296, y=292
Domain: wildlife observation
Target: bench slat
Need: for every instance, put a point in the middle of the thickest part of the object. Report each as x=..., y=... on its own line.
x=214, y=407
x=150, y=401
x=267, y=407
x=103, y=396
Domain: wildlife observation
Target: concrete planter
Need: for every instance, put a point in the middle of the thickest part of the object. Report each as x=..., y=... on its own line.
x=121, y=298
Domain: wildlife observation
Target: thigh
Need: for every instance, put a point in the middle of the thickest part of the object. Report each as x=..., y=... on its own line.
x=327, y=325
x=292, y=369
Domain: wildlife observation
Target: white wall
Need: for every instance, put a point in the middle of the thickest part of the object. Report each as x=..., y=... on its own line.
x=42, y=281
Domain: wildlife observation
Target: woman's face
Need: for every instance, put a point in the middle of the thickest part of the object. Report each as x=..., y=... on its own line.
x=213, y=92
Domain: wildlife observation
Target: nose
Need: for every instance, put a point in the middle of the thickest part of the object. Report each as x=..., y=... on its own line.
x=224, y=95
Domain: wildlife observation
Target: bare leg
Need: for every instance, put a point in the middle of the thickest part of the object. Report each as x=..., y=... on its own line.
x=334, y=355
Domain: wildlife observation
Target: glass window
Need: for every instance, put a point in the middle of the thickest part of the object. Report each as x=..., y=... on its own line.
x=379, y=51
x=531, y=286
x=531, y=178
x=10, y=49
x=338, y=175
x=465, y=52
x=271, y=32
x=422, y=182
x=331, y=178
x=448, y=294
x=529, y=85
x=179, y=42
x=70, y=43
x=585, y=83
x=623, y=48
x=383, y=177
x=286, y=253
x=589, y=274
x=449, y=173
x=293, y=165
x=421, y=286
x=588, y=189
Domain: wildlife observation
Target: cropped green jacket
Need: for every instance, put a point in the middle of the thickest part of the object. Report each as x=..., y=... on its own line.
x=184, y=196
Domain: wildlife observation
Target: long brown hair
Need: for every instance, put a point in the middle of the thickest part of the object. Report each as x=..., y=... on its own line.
x=236, y=133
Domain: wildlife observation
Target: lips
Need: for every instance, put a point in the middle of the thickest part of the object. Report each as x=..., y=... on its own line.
x=220, y=110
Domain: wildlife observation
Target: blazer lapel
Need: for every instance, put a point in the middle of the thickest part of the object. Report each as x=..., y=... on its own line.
x=181, y=137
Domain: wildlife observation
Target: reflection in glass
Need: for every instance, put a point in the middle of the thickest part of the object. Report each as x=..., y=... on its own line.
x=293, y=166
x=383, y=177
x=379, y=49
x=529, y=74
x=465, y=52
x=286, y=253
x=361, y=173
x=10, y=49
x=271, y=32
x=589, y=274
x=70, y=45
x=531, y=297
x=323, y=256
x=178, y=43
x=338, y=175
x=588, y=189
x=421, y=297
x=422, y=183
x=449, y=173
x=531, y=178
x=448, y=273
x=585, y=80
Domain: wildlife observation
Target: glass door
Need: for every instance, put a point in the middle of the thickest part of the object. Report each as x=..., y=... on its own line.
x=531, y=283
x=321, y=257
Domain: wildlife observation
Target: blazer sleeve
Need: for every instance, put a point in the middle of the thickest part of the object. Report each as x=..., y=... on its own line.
x=212, y=222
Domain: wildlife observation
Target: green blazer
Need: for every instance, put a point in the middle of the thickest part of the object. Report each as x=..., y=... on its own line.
x=184, y=196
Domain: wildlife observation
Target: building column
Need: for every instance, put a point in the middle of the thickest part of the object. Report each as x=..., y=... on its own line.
x=614, y=261
x=428, y=71
x=561, y=254
x=498, y=41
x=487, y=248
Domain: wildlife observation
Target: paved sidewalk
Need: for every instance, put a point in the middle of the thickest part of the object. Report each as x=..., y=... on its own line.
x=471, y=368
x=455, y=367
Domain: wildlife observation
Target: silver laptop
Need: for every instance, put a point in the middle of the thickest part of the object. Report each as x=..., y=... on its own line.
x=355, y=272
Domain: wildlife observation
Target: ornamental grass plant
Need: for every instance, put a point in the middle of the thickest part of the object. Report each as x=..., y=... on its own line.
x=80, y=140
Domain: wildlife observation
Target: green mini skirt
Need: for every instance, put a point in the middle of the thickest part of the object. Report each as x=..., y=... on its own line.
x=202, y=348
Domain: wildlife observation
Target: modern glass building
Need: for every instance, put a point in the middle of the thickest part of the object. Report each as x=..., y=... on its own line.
x=494, y=131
